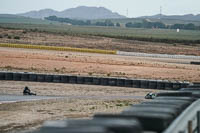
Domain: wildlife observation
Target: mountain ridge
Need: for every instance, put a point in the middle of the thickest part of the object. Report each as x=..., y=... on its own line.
x=191, y=17
x=81, y=12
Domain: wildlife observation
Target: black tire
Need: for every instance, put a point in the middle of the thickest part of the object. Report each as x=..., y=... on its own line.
x=17, y=76
x=40, y=77
x=60, y=129
x=8, y=76
x=73, y=79
x=160, y=85
x=2, y=75
x=153, y=105
x=49, y=78
x=64, y=79
x=152, y=84
x=112, y=82
x=114, y=125
x=181, y=104
x=168, y=85
x=120, y=82
x=96, y=81
x=56, y=78
x=191, y=99
x=144, y=84
x=88, y=80
x=80, y=80
x=150, y=121
x=176, y=85
x=104, y=81
x=25, y=77
x=175, y=94
x=33, y=77
x=170, y=111
x=128, y=83
x=136, y=83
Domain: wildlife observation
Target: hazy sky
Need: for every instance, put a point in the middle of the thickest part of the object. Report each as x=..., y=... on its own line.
x=135, y=7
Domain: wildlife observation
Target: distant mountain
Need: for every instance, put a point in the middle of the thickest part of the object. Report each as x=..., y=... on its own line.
x=81, y=12
x=190, y=17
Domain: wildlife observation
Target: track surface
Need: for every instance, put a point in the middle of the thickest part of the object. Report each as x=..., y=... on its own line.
x=20, y=98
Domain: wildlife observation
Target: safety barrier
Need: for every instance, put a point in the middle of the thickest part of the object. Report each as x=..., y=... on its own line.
x=169, y=112
x=105, y=81
x=42, y=47
x=158, y=55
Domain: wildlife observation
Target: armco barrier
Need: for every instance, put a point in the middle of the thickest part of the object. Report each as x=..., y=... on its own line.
x=27, y=46
x=160, y=56
x=111, y=81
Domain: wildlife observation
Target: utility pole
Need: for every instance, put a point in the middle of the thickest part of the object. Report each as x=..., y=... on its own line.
x=160, y=12
x=127, y=12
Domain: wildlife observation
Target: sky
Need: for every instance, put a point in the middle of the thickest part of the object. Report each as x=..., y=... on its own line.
x=135, y=8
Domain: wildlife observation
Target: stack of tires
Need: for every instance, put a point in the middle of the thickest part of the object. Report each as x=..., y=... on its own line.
x=104, y=81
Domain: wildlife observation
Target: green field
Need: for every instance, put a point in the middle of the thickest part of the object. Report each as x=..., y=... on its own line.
x=8, y=18
x=153, y=35
x=139, y=20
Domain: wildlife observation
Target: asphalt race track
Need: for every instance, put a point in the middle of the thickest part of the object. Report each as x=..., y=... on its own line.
x=21, y=98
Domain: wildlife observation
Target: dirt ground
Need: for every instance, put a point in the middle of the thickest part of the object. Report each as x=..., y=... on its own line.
x=96, y=42
x=43, y=61
x=20, y=116
x=25, y=116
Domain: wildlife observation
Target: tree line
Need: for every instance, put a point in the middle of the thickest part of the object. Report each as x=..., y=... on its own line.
x=143, y=24
x=81, y=22
x=147, y=24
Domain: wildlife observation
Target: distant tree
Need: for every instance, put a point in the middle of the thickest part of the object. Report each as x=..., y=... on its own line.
x=159, y=25
x=129, y=24
x=137, y=25
x=177, y=26
x=100, y=24
x=88, y=22
x=109, y=23
x=118, y=24
x=190, y=26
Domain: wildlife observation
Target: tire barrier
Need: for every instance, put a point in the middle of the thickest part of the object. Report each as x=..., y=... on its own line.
x=80, y=80
x=17, y=76
x=25, y=77
x=9, y=76
x=64, y=79
x=40, y=77
x=171, y=112
x=43, y=47
x=2, y=75
x=73, y=79
x=48, y=78
x=56, y=78
x=120, y=82
x=195, y=63
x=33, y=77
